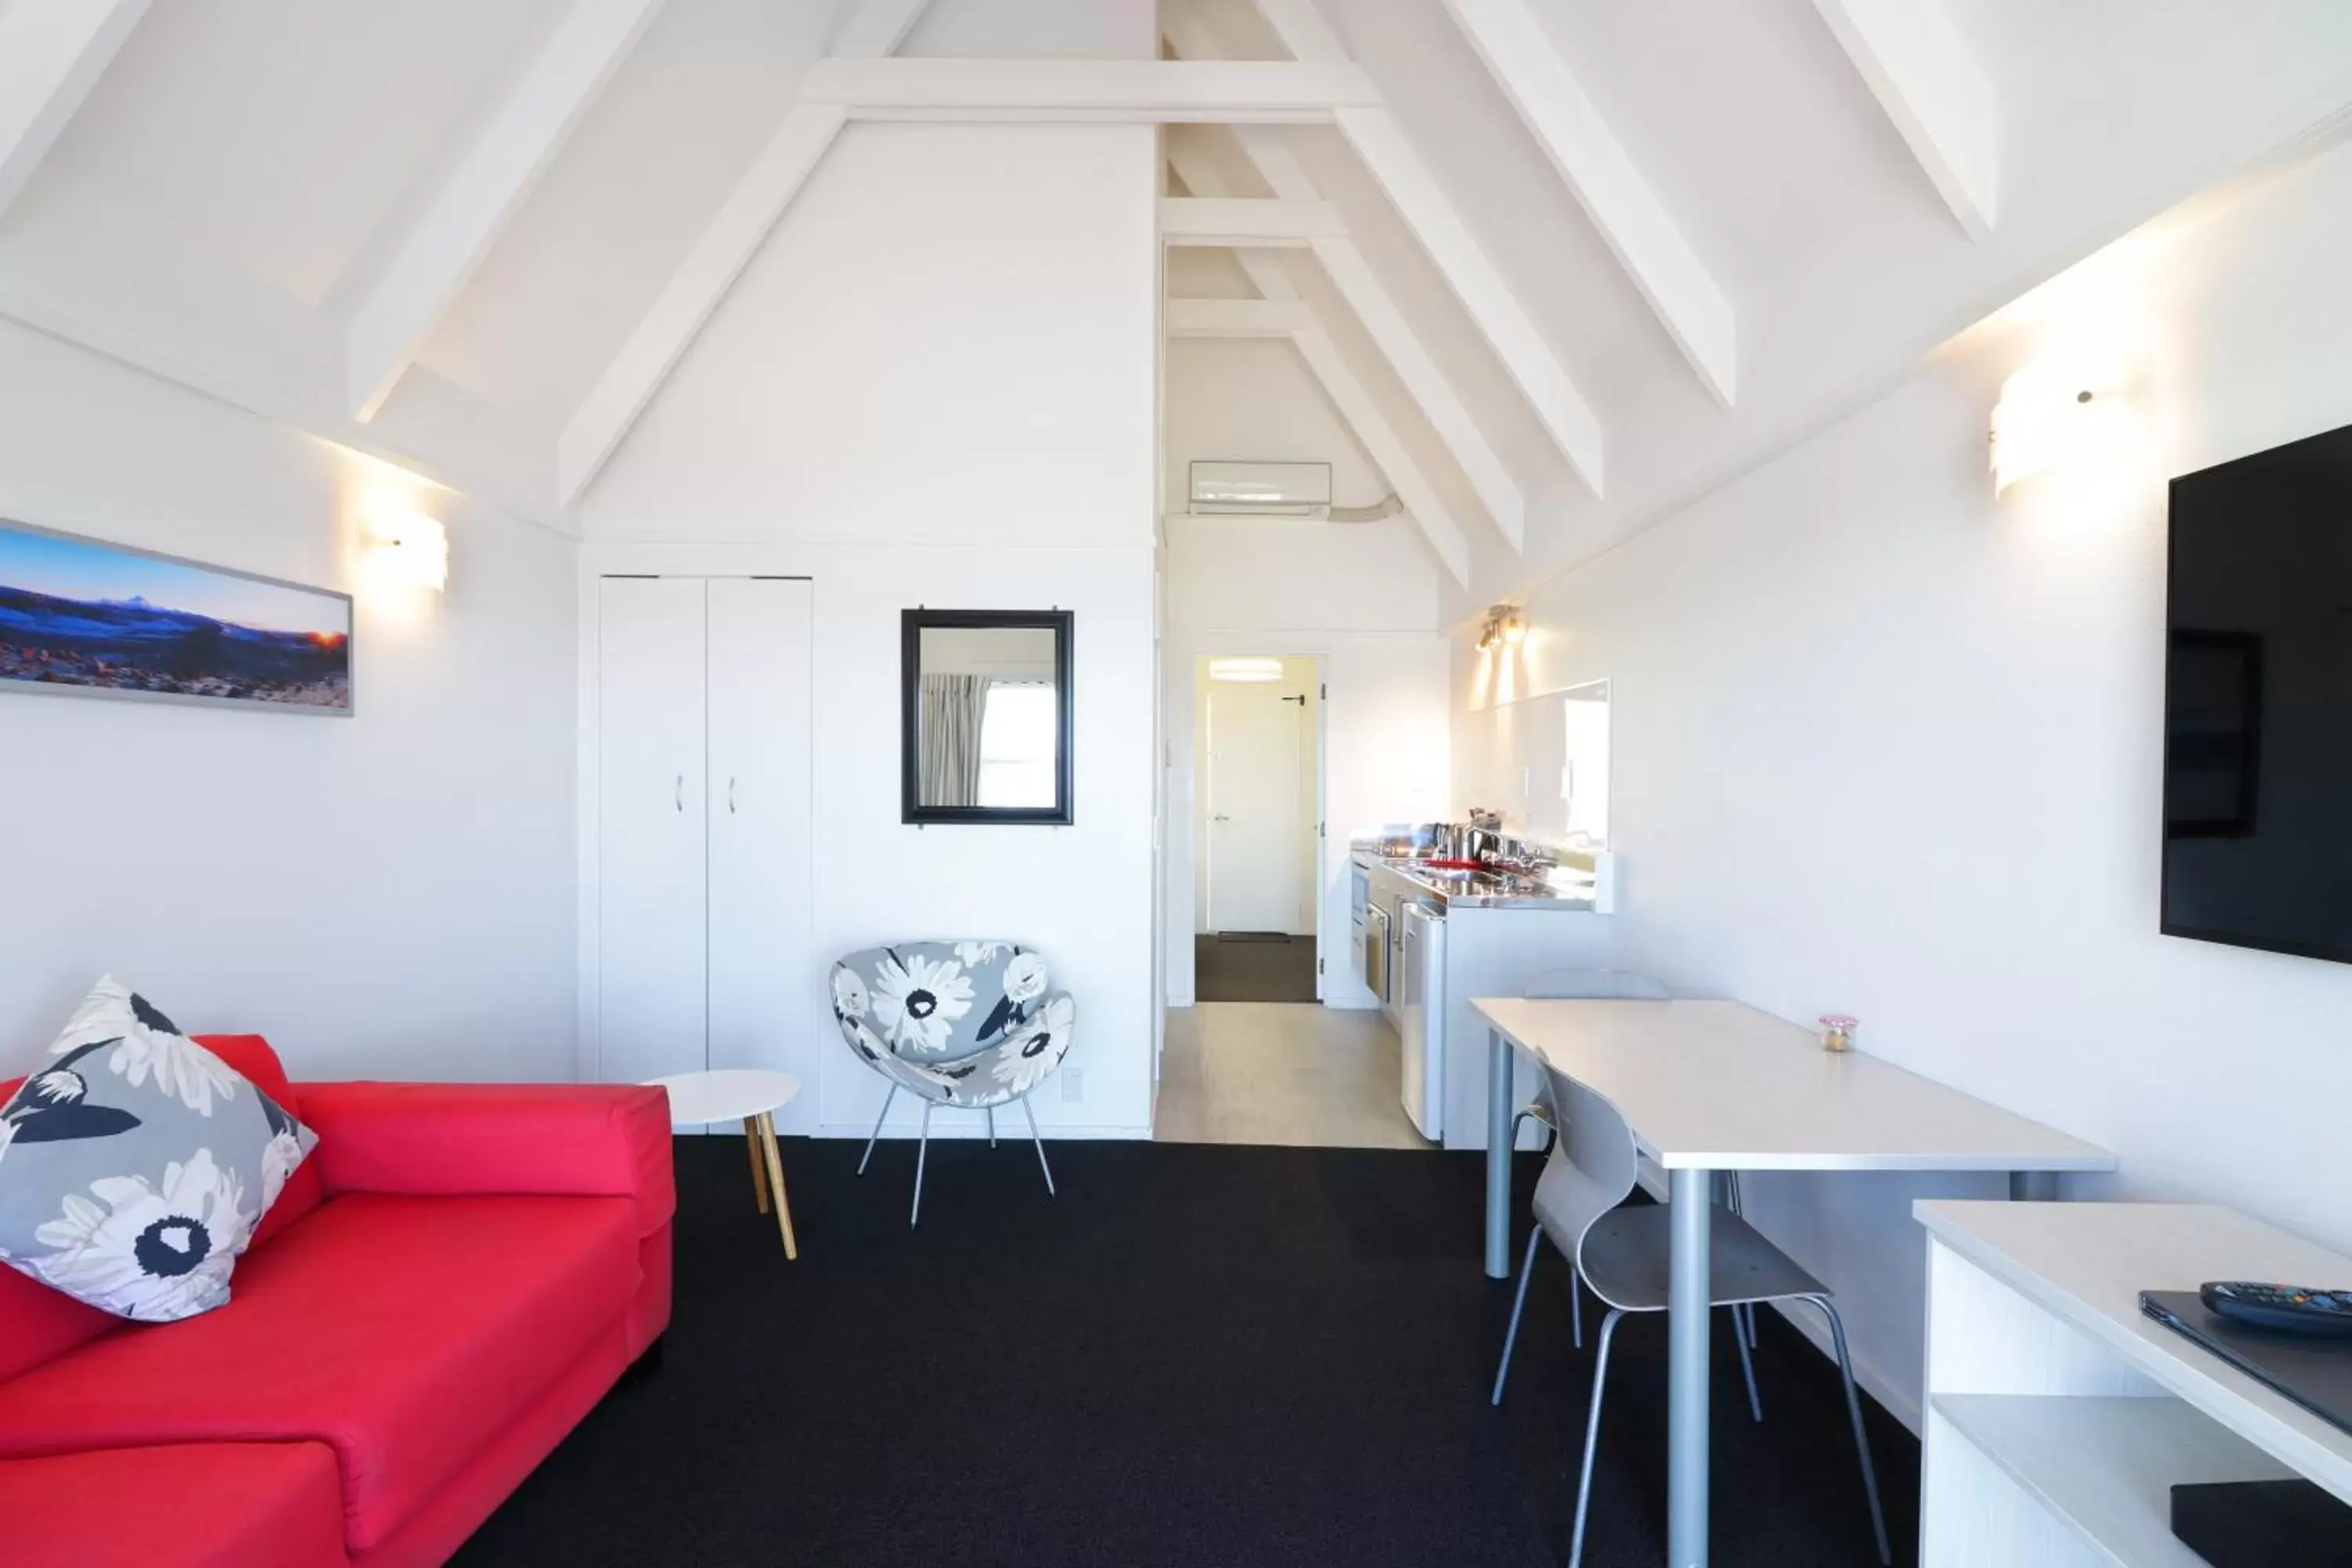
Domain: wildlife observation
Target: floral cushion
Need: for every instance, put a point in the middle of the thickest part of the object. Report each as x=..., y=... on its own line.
x=136, y=1166
x=968, y=1023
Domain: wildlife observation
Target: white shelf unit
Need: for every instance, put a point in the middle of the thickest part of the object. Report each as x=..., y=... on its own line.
x=2059, y=1417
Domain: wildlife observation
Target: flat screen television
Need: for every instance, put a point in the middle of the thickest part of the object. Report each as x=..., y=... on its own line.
x=2258, y=702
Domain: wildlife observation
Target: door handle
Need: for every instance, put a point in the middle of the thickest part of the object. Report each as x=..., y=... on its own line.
x=730, y=795
x=677, y=796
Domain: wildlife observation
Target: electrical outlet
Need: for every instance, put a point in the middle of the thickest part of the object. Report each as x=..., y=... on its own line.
x=1073, y=1085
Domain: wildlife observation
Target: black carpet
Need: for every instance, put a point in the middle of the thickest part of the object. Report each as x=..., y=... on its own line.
x=1195, y=1356
x=1256, y=967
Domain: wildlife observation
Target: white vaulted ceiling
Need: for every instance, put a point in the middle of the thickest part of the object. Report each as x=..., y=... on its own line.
x=1803, y=184
x=1701, y=227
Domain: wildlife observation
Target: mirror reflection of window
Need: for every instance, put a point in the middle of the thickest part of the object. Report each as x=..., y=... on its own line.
x=1018, y=734
x=990, y=720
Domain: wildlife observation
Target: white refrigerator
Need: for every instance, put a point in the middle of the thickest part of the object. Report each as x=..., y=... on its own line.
x=1421, y=1015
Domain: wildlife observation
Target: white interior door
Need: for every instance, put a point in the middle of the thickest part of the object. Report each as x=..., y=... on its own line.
x=651, y=828
x=1257, y=830
x=764, y=979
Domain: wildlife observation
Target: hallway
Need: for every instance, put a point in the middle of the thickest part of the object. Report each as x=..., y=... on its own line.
x=1252, y=966
x=1258, y=1072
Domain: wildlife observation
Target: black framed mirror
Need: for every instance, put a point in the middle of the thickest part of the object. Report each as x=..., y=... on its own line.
x=985, y=716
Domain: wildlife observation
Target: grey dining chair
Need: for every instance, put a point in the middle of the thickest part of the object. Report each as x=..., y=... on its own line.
x=1579, y=985
x=1624, y=1256
x=1607, y=984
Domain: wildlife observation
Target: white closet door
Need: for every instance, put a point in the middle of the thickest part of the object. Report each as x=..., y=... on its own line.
x=652, y=821
x=765, y=974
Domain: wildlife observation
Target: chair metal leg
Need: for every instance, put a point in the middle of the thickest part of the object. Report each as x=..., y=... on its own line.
x=1040, y=1148
x=877, y=1128
x=1575, y=1306
x=1853, y=1411
x=922, y=1152
x=991, y=1114
x=1519, y=1304
x=1737, y=1204
x=1591, y=1436
x=1747, y=1365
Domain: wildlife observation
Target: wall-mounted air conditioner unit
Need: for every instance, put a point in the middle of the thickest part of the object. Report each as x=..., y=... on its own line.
x=1261, y=490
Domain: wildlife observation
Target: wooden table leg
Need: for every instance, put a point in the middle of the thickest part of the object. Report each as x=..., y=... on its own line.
x=759, y=1176
x=776, y=1184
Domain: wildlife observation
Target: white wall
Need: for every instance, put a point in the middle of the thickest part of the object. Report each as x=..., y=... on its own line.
x=935, y=385
x=1254, y=400
x=1887, y=747
x=386, y=895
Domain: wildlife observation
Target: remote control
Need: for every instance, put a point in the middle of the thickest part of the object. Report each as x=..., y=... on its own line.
x=2292, y=1309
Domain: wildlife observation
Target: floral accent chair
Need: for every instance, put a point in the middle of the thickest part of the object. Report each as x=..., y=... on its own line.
x=972, y=1023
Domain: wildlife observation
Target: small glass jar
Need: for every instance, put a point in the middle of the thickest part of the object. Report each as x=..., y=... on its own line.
x=1837, y=1032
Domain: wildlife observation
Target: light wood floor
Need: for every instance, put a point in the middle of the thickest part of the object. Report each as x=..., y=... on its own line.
x=1282, y=1072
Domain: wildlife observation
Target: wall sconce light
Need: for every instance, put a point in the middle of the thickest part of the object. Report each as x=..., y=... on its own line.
x=2049, y=417
x=1246, y=669
x=1503, y=626
x=408, y=550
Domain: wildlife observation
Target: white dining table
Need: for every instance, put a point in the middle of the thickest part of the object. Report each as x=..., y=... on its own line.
x=1710, y=1087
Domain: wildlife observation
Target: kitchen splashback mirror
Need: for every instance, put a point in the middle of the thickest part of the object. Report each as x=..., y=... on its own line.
x=985, y=716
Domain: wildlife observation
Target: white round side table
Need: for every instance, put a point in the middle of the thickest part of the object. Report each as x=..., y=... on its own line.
x=751, y=1096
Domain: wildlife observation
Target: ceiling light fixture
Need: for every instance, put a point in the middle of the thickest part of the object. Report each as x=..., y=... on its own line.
x=1246, y=669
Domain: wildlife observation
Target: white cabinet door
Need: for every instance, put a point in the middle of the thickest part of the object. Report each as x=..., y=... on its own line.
x=651, y=825
x=765, y=976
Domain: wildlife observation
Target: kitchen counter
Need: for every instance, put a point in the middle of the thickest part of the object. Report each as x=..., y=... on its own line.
x=1565, y=888
x=1425, y=940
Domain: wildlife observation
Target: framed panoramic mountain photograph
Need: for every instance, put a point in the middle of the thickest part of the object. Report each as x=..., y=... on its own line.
x=82, y=616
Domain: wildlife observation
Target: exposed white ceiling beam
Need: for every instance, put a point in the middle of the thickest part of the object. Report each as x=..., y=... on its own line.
x=1236, y=318
x=719, y=257
x=1128, y=91
x=1389, y=331
x=1352, y=275
x=724, y=248
x=1362, y=413
x=1920, y=71
x=449, y=240
x=278, y=359
x=877, y=28
x=1267, y=152
x=1504, y=321
x=1426, y=209
x=1303, y=30
x=1387, y=449
x=1223, y=221
x=1526, y=64
x=52, y=52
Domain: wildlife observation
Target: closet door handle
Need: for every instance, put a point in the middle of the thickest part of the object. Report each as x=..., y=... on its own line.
x=730, y=795
x=677, y=796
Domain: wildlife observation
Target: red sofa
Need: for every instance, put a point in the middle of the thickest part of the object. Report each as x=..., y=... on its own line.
x=445, y=1288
